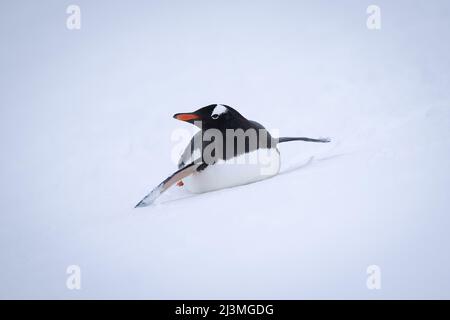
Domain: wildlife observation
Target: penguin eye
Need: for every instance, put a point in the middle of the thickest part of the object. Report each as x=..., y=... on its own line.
x=215, y=116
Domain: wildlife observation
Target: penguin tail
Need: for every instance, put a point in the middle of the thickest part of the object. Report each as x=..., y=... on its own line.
x=287, y=139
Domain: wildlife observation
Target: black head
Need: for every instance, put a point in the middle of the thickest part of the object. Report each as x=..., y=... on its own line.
x=212, y=116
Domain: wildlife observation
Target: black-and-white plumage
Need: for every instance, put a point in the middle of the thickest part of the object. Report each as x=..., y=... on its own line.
x=230, y=165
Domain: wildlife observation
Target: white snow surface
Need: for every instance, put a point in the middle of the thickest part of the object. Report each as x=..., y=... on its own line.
x=85, y=126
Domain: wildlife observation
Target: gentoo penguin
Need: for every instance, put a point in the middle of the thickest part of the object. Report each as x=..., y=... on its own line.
x=229, y=150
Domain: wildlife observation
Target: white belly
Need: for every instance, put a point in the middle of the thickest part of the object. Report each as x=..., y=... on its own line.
x=257, y=165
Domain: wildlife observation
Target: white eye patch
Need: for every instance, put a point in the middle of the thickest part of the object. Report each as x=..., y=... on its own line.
x=218, y=110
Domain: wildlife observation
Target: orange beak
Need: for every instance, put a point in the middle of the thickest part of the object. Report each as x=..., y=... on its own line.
x=186, y=116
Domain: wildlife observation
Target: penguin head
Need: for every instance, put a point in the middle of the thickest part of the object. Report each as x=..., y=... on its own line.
x=212, y=116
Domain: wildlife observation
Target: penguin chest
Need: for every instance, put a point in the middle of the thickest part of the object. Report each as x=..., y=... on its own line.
x=243, y=169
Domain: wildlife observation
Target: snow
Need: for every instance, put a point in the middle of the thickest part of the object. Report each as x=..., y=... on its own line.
x=85, y=127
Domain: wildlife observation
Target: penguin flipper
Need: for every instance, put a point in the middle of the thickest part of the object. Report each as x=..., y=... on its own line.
x=192, y=152
x=287, y=139
x=167, y=183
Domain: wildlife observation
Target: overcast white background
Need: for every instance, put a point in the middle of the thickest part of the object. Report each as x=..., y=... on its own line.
x=85, y=126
